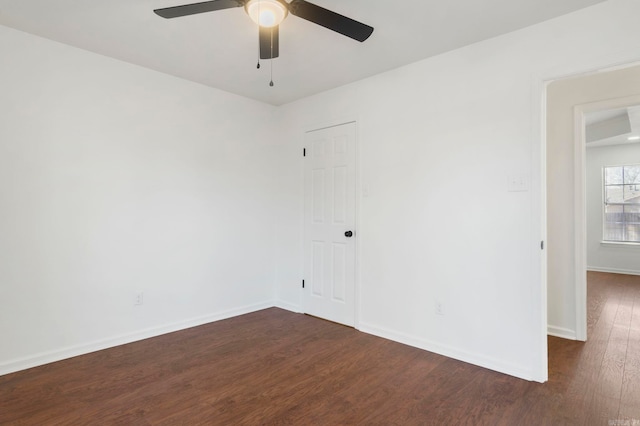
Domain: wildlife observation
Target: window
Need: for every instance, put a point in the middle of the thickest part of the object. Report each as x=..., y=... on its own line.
x=622, y=204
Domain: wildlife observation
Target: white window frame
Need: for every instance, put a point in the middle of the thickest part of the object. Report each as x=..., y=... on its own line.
x=605, y=204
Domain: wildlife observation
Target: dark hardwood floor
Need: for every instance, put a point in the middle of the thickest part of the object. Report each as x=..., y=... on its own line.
x=276, y=367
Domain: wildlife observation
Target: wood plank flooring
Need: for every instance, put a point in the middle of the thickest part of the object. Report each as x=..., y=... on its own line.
x=278, y=368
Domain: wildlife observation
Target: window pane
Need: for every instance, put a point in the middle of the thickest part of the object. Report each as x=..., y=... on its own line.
x=632, y=193
x=614, y=208
x=612, y=175
x=613, y=194
x=613, y=232
x=632, y=174
x=619, y=231
x=633, y=208
x=633, y=233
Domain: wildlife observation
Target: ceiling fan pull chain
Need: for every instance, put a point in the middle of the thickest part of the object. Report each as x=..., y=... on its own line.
x=271, y=82
x=258, y=66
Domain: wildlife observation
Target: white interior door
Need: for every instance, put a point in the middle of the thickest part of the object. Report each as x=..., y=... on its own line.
x=329, y=223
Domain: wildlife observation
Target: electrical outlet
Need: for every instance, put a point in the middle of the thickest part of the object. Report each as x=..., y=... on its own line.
x=139, y=299
x=439, y=308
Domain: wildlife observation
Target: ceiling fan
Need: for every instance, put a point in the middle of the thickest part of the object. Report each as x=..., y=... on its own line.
x=268, y=14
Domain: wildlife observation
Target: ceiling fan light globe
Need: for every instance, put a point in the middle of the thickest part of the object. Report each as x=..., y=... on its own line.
x=267, y=18
x=266, y=13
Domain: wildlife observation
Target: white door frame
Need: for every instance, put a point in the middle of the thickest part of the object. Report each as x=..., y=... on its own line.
x=357, y=230
x=580, y=185
x=539, y=193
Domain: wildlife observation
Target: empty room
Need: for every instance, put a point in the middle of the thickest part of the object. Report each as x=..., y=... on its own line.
x=291, y=212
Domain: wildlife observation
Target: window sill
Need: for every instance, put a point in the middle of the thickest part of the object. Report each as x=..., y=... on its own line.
x=619, y=244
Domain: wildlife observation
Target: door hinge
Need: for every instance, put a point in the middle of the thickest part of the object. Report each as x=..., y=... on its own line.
x=541, y=245
x=302, y=283
x=304, y=152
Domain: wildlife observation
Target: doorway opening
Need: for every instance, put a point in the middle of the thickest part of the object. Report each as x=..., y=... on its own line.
x=574, y=106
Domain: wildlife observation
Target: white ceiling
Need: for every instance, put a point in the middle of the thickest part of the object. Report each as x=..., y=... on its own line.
x=220, y=49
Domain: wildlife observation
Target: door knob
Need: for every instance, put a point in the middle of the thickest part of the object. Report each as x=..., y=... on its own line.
x=348, y=234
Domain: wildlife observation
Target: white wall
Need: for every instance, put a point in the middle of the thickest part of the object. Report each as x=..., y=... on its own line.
x=563, y=97
x=438, y=140
x=114, y=180
x=607, y=257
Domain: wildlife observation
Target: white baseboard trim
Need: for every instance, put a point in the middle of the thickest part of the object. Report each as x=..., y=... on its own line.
x=564, y=333
x=82, y=349
x=450, y=352
x=613, y=270
x=288, y=306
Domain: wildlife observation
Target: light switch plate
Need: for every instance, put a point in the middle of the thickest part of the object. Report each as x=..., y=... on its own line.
x=518, y=183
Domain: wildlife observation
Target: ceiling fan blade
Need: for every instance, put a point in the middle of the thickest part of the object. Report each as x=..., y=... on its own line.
x=269, y=42
x=331, y=20
x=194, y=8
